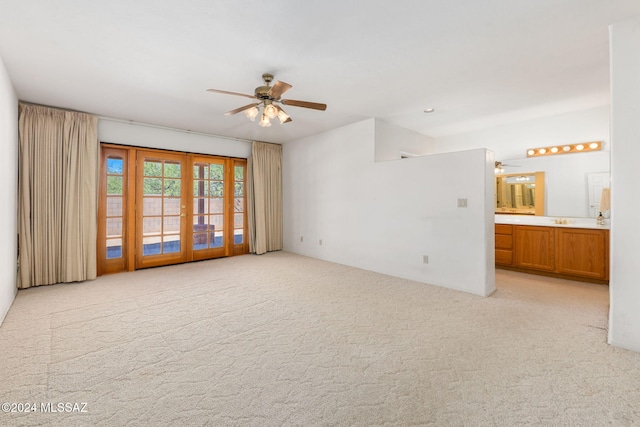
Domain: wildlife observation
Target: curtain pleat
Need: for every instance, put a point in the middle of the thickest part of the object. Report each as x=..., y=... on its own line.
x=265, y=198
x=58, y=185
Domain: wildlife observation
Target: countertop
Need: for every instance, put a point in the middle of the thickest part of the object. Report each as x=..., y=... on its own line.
x=550, y=221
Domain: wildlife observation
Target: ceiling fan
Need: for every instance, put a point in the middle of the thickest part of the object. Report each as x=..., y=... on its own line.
x=268, y=98
x=500, y=167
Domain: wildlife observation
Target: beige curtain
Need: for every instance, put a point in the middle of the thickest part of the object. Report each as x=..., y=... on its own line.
x=57, y=200
x=264, y=197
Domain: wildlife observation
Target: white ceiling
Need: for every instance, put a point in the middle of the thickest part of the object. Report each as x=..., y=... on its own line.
x=477, y=62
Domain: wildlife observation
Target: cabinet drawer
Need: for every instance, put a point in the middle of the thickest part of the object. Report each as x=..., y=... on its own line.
x=504, y=241
x=504, y=257
x=504, y=229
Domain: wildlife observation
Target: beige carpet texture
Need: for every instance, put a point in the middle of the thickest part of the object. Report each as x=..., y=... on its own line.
x=285, y=340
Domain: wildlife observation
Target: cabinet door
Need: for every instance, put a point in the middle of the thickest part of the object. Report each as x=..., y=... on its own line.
x=583, y=252
x=534, y=248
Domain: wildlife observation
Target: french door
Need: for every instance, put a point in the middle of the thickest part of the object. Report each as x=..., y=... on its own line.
x=158, y=208
x=161, y=209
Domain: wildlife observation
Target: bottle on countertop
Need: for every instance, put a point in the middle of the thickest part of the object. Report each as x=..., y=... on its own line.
x=600, y=220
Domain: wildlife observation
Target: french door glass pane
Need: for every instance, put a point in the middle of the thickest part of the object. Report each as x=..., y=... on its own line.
x=152, y=206
x=172, y=170
x=152, y=168
x=114, y=248
x=216, y=189
x=217, y=172
x=171, y=225
x=115, y=166
x=200, y=206
x=114, y=227
x=171, y=206
x=200, y=188
x=162, y=207
x=172, y=187
x=114, y=206
x=238, y=221
x=239, y=173
x=200, y=241
x=114, y=185
x=208, y=192
x=171, y=244
x=217, y=205
x=239, y=189
x=152, y=226
x=152, y=186
x=238, y=204
x=216, y=239
x=151, y=246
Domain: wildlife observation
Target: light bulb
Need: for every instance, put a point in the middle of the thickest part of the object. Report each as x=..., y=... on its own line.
x=566, y=148
x=579, y=147
x=531, y=152
x=282, y=116
x=270, y=111
x=252, y=113
x=264, y=121
x=542, y=150
x=593, y=145
x=554, y=150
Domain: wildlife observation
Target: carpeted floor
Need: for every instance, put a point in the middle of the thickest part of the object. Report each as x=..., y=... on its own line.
x=281, y=339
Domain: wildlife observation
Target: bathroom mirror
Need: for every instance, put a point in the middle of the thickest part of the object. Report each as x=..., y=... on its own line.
x=520, y=194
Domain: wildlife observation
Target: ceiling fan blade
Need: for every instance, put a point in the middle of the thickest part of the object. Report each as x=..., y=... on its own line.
x=278, y=89
x=304, y=104
x=226, y=92
x=238, y=110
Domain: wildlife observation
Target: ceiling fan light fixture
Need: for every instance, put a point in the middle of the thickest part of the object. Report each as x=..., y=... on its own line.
x=264, y=121
x=282, y=116
x=252, y=113
x=270, y=111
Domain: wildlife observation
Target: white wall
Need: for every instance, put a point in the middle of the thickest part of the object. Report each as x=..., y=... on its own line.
x=385, y=216
x=566, y=175
x=141, y=135
x=624, y=286
x=392, y=141
x=9, y=193
x=511, y=141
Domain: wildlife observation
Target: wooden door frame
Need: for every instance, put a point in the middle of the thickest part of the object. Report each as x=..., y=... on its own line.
x=142, y=261
x=130, y=214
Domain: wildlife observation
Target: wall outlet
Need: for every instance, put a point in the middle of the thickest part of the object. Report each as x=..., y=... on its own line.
x=301, y=238
x=320, y=242
x=462, y=203
x=425, y=259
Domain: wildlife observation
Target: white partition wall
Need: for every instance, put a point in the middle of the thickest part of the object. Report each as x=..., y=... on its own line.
x=8, y=195
x=341, y=206
x=624, y=285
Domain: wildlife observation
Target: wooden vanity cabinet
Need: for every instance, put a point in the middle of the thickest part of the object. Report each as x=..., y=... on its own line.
x=583, y=252
x=504, y=244
x=535, y=247
x=573, y=253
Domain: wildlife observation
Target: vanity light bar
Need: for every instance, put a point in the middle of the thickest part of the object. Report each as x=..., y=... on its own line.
x=565, y=149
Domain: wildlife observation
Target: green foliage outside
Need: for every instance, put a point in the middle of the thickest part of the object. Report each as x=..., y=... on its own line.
x=153, y=182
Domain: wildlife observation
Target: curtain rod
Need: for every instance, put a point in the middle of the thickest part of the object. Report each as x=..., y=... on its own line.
x=131, y=122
